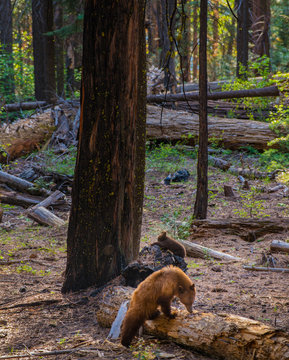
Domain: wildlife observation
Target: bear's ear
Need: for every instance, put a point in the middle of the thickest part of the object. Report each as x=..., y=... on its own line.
x=192, y=287
x=181, y=289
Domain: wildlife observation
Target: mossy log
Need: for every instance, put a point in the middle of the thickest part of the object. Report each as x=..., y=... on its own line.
x=222, y=336
x=165, y=124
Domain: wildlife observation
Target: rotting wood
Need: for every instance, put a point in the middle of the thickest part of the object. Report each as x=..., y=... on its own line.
x=228, y=191
x=199, y=251
x=21, y=185
x=44, y=216
x=19, y=199
x=164, y=124
x=51, y=199
x=1, y=214
x=278, y=245
x=248, y=229
x=233, y=94
x=276, y=188
x=225, y=336
x=24, y=106
x=261, y=268
x=249, y=173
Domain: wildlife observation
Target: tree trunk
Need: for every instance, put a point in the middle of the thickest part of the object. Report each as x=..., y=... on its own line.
x=6, y=42
x=261, y=27
x=167, y=28
x=242, y=8
x=153, y=37
x=59, y=50
x=105, y=218
x=185, y=41
x=201, y=203
x=43, y=50
x=221, y=336
x=195, y=40
x=215, y=40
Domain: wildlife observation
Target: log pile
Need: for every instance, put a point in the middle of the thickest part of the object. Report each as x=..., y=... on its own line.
x=222, y=336
x=26, y=196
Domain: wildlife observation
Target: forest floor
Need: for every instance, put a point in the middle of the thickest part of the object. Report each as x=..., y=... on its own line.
x=35, y=317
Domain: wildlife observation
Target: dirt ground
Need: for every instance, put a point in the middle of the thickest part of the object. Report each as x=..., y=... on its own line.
x=35, y=317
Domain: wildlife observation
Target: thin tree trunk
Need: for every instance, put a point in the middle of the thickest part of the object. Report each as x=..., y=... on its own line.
x=185, y=42
x=195, y=39
x=59, y=50
x=201, y=203
x=43, y=50
x=104, y=225
x=215, y=40
x=242, y=7
x=6, y=42
x=168, y=12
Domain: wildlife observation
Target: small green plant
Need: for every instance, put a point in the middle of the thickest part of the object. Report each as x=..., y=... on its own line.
x=141, y=351
x=251, y=207
x=193, y=265
x=26, y=268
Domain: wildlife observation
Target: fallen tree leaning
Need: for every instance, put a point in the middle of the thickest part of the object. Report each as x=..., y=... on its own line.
x=223, y=336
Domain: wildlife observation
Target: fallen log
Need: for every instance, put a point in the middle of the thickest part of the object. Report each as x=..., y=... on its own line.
x=277, y=245
x=15, y=198
x=44, y=216
x=248, y=229
x=165, y=124
x=21, y=185
x=222, y=336
x=233, y=94
x=24, y=106
x=199, y=251
x=262, y=268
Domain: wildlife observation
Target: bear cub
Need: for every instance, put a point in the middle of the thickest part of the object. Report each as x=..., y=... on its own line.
x=168, y=243
x=156, y=290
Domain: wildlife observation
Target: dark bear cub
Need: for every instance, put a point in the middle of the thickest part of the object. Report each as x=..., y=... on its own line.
x=156, y=290
x=168, y=243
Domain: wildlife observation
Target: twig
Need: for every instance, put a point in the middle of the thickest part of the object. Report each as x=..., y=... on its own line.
x=35, y=303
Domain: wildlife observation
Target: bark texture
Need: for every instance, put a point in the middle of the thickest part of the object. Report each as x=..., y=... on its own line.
x=222, y=336
x=43, y=50
x=104, y=226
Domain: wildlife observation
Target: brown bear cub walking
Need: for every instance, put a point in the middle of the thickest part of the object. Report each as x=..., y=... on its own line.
x=158, y=289
x=168, y=243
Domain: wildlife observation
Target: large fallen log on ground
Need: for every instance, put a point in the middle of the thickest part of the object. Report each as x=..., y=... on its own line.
x=233, y=94
x=248, y=229
x=24, y=106
x=165, y=124
x=222, y=336
x=199, y=251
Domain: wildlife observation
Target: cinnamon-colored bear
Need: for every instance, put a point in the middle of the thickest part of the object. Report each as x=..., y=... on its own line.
x=156, y=290
x=168, y=243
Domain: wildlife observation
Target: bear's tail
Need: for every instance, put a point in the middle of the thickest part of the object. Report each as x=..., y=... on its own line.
x=131, y=323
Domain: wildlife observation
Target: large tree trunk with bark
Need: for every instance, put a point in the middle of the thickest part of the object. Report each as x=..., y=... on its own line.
x=222, y=336
x=185, y=41
x=165, y=124
x=43, y=50
x=105, y=219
